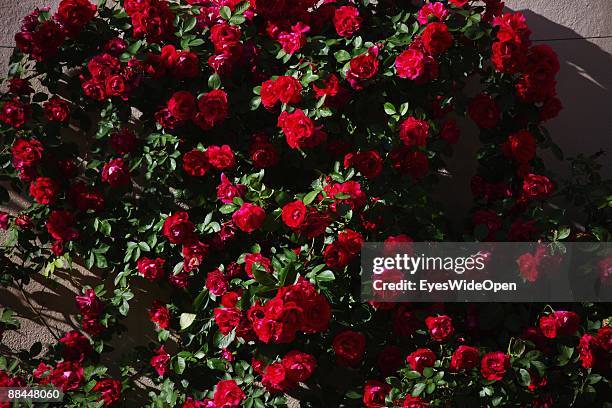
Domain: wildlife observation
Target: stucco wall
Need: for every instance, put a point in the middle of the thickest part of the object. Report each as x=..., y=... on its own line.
x=585, y=125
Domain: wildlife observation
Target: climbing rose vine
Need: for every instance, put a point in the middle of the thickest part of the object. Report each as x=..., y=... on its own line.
x=231, y=158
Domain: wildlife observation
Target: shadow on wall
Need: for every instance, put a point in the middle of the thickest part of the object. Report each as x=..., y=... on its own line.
x=585, y=89
x=584, y=86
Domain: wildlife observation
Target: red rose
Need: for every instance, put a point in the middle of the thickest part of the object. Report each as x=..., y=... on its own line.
x=269, y=96
x=421, y=358
x=226, y=318
x=123, y=141
x=193, y=255
x=349, y=347
x=440, y=327
x=14, y=113
x=227, y=191
x=361, y=68
x=292, y=41
x=483, y=110
x=160, y=361
x=57, y=110
x=374, y=394
x=60, y=225
x=224, y=36
x=339, y=253
x=464, y=358
x=368, y=163
x=263, y=153
x=436, y=38
x=4, y=220
x=177, y=228
x=184, y=64
x=493, y=366
x=115, y=86
x=213, y=108
x=450, y=131
x=110, y=390
x=151, y=269
x=101, y=66
x=410, y=63
x=250, y=259
x=347, y=21
x=435, y=10
x=228, y=394
x=550, y=109
x=195, y=163
x=294, y=214
x=249, y=217
x=414, y=402
x=182, y=105
x=44, y=190
x=559, y=323
x=520, y=146
x=26, y=153
x=89, y=304
x=154, y=20
x=300, y=131
x=298, y=366
x=67, y=376
x=413, y=163
x=537, y=187
x=414, y=132
x=221, y=158
x=42, y=374
x=73, y=15
x=275, y=378
x=84, y=198
x=288, y=89
x=459, y=3
x=20, y=86
x=76, y=346
x=94, y=89
x=160, y=315
x=216, y=283
x=116, y=173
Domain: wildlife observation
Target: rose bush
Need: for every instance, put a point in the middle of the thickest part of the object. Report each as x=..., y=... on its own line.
x=238, y=154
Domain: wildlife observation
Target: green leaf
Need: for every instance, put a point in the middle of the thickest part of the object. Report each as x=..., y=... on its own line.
x=418, y=389
x=189, y=24
x=262, y=276
x=325, y=276
x=225, y=13
x=186, y=320
x=214, y=81
x=524, y=377
x=342, y=56
x=310, y=197
x=389, y=108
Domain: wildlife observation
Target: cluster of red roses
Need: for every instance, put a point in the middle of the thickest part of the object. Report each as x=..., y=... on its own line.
x=307, y=64
x=294, y=308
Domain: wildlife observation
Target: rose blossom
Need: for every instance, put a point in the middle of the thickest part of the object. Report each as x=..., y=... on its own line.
x=160, y=361
x=294, y=214
x=249, y=217
x=177, y=228
x=151, y=269
x=421, y=358
x=464, y=358
x=440, y=327
x=347, y=21
x=493, y=366
x=110, y=390
x=349, y=347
